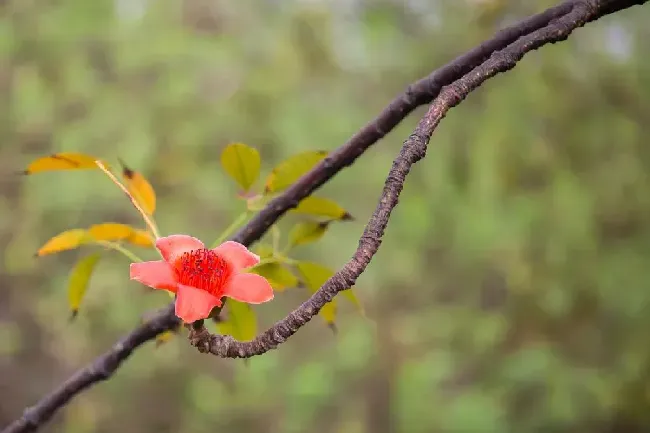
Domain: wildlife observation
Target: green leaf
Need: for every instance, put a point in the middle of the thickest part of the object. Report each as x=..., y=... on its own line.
x=324, y=207
x=307, y=232
x=279, y=276
x=315, y=275
x=290, y=170
x=241, y=322
x=79, y=279
x=265, y=251
x=242, y=163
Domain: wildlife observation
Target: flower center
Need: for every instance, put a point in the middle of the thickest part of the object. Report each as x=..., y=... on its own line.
x=203, y=269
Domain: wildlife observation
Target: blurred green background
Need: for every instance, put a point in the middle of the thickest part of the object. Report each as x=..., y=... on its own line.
x=511, y=292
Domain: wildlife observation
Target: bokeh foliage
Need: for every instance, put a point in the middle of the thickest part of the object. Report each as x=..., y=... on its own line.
x=511, y=290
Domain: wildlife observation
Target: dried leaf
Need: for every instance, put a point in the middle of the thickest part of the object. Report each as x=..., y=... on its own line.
x=61, y=161
x=307, y=232
x=67, y=240
x=79, y=279
x=290, y=170
x=241, y=322
x=110, y=231
x=242, y=163
x=324, y=207
x=140, y=189
x=278, y=275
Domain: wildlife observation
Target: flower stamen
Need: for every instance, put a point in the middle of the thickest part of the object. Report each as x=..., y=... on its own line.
x=203, y=269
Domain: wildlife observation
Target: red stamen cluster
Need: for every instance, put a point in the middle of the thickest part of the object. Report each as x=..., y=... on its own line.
x=203, y=269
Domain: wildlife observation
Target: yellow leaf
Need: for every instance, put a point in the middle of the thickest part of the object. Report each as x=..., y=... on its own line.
x=141, y=238
x=307, y=232
x=79, y=278
x=110, y=231
x=290, y=170
x=242, y=163
x=314, y=276
x=164, y=337
x=328, y=313
x=325, y=207
x=67, y=240
x=278, y=275
x=241, y=321
x=61, y=161
x=140, y=189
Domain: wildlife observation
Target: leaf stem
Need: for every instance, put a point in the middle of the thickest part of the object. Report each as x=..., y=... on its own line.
x=147, y=219
x=231, y=228
x=119, y=248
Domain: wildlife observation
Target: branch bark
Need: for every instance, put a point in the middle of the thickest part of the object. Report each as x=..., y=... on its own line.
x=412, y=151
x=458, y=78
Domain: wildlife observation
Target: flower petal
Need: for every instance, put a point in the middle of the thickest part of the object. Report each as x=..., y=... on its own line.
x=249, y=288
x=237, y=254
x=172, y=247
x=193, y=304
x=157, y=274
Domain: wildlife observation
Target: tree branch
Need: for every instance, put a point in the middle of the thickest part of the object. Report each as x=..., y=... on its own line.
x=460, y=77
x=412, y=151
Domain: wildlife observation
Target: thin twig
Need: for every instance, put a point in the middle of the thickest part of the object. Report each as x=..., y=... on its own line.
x=553, y=25
x=147, y=219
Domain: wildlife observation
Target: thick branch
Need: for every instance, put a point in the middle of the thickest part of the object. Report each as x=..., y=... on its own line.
x=413, y=150
x=563, y=19
x=417, y=94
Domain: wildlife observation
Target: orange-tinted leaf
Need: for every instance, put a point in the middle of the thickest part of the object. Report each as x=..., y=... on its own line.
x=242, y=163
x=290, y=170
x=141, y=238
x=61, y=161
x=278, y=275
x=319, y=206
x=307, y=232
x=79, y=279
x=241, y=321
x=67, y=240
x=140, y=189
x=110, y=231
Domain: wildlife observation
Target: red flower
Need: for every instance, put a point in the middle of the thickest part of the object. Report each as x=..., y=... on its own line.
x=201, y=277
